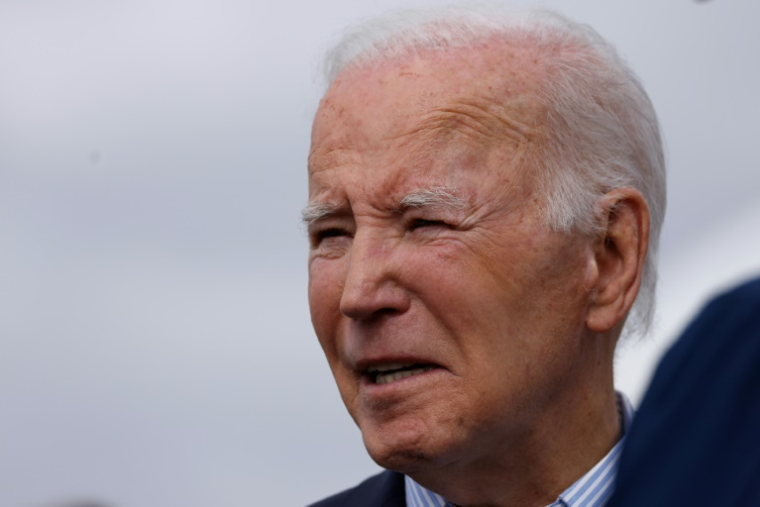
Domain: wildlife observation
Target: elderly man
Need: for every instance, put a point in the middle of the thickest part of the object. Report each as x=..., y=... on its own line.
x=486, y=188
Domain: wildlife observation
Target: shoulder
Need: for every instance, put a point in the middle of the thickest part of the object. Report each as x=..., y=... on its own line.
x=740, y=304
x=694, y=438
x=726, y=332
x=385, y=489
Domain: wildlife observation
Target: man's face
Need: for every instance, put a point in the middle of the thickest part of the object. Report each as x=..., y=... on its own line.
x=452, y=320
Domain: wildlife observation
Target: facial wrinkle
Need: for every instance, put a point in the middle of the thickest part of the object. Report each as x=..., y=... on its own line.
x=482, y=118
x=326, y=156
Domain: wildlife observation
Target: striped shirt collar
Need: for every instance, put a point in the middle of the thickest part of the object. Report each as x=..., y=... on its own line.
x=591, y=490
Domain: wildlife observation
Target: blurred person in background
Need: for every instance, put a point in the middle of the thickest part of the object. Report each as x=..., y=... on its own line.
x=695, y=439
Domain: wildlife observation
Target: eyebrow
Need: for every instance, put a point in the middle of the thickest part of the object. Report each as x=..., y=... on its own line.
x=317, y=211
x=435, y=197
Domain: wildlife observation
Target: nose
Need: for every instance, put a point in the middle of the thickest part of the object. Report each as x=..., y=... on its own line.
x=372, y=285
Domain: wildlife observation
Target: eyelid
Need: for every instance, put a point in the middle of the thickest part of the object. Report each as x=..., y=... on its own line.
x=421, y=222
x=432, y=214
x=329, y=232
x=319, y=230
x=333, y=221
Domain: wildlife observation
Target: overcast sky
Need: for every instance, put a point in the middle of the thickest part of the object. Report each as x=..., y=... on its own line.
x=156, y=344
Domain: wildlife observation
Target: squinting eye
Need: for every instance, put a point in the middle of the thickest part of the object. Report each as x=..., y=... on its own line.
x=420, y=222
x=331, y=233
x=320, y=236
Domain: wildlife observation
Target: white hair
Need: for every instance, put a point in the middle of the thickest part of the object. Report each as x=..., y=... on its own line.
x=601, y=131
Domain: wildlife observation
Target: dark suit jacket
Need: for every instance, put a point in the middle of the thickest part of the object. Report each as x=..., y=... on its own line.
x=696, y=437
x=385, y=489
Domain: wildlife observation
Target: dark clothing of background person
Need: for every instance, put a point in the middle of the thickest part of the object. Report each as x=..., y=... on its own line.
x=696, y=437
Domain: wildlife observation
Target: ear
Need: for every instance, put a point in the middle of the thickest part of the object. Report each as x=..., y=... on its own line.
x=619, y=253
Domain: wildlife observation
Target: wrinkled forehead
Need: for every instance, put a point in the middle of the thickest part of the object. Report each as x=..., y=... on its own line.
x=487, y=90
x=466, y=118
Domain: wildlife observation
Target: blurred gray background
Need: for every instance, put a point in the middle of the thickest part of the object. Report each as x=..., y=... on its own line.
x=156, y=343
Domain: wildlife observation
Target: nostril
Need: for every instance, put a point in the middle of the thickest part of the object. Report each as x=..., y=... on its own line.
x=374, y=315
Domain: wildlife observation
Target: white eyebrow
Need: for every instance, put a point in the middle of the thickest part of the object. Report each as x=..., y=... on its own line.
x=445, y=197
x=316, y=211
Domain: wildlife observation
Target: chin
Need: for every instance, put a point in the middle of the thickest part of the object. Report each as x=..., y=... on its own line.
x=402, y=449
x=403, y=461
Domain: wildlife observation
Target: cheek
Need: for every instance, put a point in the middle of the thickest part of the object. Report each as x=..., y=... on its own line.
x=325, y=285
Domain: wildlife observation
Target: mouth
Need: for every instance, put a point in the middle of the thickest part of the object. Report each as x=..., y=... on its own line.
x=392, y=372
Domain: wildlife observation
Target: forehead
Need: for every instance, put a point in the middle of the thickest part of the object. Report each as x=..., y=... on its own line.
x=409, y=117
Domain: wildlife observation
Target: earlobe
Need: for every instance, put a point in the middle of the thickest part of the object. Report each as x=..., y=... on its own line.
x=619, y=254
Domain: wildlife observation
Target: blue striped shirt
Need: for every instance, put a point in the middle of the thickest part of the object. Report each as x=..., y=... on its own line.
x=591, y=490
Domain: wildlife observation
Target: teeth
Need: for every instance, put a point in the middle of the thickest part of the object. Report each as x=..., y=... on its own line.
x=392, y=377
x=388, y=367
